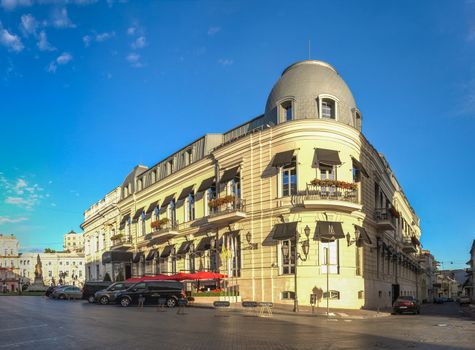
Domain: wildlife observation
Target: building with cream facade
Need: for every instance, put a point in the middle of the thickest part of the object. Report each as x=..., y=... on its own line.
x=58, y=268
x=73, y=242
x=290, y=204
x=9, y=263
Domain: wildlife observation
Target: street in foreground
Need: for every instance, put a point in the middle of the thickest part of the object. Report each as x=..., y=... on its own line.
x=40, y=323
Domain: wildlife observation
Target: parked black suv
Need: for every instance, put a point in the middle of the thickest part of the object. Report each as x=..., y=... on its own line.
x=108, y=295
x=153, y=292
x=90, y=288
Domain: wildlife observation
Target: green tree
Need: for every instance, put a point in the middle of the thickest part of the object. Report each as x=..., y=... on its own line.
x=107, y=277
x=49, y=250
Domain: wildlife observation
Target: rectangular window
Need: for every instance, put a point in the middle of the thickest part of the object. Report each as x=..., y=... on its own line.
x=210, y=195
x=288, y=257
x=287, y=111
x=190, y=208
x=334, y=294
x=289, y=179
x=288, y=295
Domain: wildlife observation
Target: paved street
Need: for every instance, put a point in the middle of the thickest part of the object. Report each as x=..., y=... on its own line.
x=40, y=323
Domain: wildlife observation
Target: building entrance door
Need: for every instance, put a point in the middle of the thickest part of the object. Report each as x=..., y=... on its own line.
x=395, y=292
x=128, y=271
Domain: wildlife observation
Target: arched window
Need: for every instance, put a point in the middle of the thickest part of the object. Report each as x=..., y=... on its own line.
x=328, y=108
x=286, y=111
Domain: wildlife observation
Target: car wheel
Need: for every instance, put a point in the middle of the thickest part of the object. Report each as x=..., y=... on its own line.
x=62, y=297
x=125, y=302
x=171, y=302
x=104, y=300
x=90, y=299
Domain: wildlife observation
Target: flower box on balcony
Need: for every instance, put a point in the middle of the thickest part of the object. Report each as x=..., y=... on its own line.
x=217, y=202
x=117, y=237
x=394, y=212
x=334, y=183
x=157, y=225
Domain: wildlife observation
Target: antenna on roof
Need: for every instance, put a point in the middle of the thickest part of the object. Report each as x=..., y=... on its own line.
x=309, y=48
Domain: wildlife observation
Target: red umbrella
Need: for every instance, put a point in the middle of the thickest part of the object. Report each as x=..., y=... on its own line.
x=206, y=275
x=181, y=276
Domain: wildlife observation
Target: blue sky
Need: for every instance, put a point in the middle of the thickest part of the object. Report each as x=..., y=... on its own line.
x=88, y=89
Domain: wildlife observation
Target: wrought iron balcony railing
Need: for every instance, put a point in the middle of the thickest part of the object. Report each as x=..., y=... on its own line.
x=331, y=192
x=229, y=205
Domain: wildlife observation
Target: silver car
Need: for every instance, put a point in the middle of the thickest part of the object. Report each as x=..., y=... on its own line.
x=70, y=292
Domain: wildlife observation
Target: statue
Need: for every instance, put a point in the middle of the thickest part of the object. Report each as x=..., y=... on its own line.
x=38, y=285
x=38, y=270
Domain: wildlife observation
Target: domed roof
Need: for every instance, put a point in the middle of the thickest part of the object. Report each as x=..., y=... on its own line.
x=303, y=83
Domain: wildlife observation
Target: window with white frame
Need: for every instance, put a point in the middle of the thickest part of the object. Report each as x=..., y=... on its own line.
x=286, y=111
x=289, y=179
x=190, y=207
x=156, y=213
x=172, y=212
x=142, y=224
x=287, y=257
x=329, y=257
x=328, y=108
x=210, y=195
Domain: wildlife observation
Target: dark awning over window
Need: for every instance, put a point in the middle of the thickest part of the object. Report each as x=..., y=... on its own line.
x=151, y=255
x=357, y=165
x=137, y=214
x=284, y=231
x=282, y=158
x=325, y=157
x=166, y=251
x=137, y=257
x=229, y=174
x=150, y=209
x=124, y=221
x=185, y=247
x=206, y=184
x=415, y=241
x=362, y=234
x=167, y=200
x=116, y=256
x=205, y=244
x=328, y=231
x=186, y=191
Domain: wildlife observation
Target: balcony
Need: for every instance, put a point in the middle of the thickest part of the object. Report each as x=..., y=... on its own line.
x=340, y=196
x=385, y=220
x=121, y=241
x=226, y=210
x=163, y=228
x=409, y=246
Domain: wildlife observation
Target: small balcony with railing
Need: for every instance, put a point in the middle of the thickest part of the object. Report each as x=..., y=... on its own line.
x=330, y=194
x=409, y=244
x=163, y=228
x=226, y=210
x=385, y=219
x=121, y=240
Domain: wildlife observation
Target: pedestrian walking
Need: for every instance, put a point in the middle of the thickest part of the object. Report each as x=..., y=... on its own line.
x=141, y=300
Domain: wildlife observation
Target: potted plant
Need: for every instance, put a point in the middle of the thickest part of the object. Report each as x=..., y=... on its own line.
x=117, y=236
x=217, y=202
x=158, y=224
x=334, y=183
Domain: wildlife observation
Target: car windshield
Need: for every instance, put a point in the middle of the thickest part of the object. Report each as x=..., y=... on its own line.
x=116, y=286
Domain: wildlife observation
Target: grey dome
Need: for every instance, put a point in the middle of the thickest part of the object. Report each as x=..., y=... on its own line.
x=302, y=83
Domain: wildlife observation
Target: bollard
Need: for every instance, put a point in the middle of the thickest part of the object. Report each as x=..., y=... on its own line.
x=221, y=307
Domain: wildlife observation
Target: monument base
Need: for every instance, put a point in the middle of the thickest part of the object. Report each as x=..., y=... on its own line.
x=37, y=286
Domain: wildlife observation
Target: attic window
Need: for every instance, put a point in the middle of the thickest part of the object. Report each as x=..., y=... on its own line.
x=287, y=111
x=139, y=184
x=170, y=167
x=188, y=157
x=328, y=108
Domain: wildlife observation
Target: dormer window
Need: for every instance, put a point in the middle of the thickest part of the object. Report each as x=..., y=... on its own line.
x=139, y=184
x=152, y=177
x=188, y=157
x=170, y=167
x=126, y=191
x=328, y=108
x=286, y=111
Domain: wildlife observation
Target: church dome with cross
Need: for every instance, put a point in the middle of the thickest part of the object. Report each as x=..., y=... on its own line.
x=312, y=89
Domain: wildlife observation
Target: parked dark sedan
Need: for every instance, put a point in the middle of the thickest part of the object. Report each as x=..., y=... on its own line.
x=108, y=295
x=153, y=292
x=90, y=288
x=406, y=304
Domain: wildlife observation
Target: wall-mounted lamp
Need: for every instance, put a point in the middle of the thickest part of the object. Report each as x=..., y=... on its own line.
x=249, y=239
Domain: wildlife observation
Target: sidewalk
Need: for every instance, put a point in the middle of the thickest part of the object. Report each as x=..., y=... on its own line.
x=306, y=311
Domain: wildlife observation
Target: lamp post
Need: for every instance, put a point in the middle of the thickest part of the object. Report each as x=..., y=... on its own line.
x=286, y=253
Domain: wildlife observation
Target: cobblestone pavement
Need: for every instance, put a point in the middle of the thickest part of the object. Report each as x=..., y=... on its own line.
x=40, y=323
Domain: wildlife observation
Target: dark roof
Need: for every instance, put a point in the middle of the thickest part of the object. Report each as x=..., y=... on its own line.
x=207, y=183
x=284, y=231
x=328, y=231
x=325, y=157
x=282, y=158
x=229, y=174
x=357, y=164
x=167, y=200
x=362, y=234
x=186, y=191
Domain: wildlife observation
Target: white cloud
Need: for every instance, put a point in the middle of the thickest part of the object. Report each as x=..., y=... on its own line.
x=43, y=43
x=62, y=59
x=139, y=43
x=11, y=41
x=213, y=30
x=225, y=61
x=87, y=40
x=131, y=30
x=134, y=60
x=20, y=192
x=13, y=4
x=100, y=37
x=61, y=19
x=28, y=25
x=9, y=220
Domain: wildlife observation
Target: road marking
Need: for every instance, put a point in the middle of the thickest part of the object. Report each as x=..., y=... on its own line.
x=19, y=328
x=33, y=341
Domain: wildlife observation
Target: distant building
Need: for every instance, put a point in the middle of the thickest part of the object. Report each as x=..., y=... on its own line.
x=9, y=265
x=448, y=285
x=60, y=267
x=73, y=242
x=469, y=284
x=428, y=276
